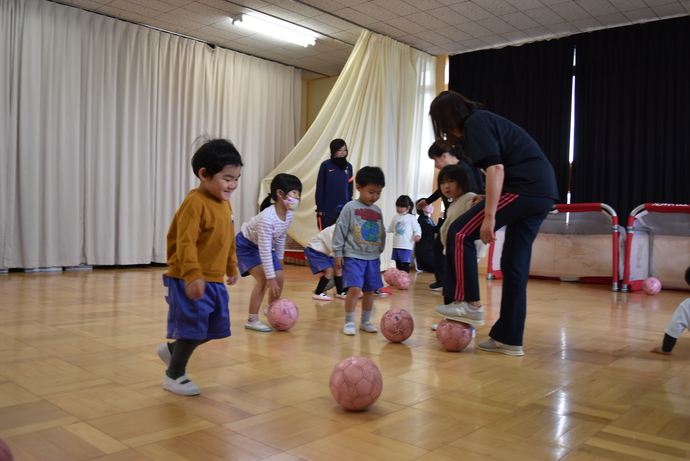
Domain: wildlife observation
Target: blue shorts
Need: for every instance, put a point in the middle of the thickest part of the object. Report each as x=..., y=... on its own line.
x=318, y=262
x=205, y=318
x=248, y=255
x=362, y=273
x=404, y=256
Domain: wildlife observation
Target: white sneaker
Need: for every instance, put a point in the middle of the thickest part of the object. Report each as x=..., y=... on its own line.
x=491, y=345
x=164, y=354
x=257, y=325
x=181, y=386
x=368, y=327
x=320, y=297
x=461, y=312
x=349, y=329
x=342, y=295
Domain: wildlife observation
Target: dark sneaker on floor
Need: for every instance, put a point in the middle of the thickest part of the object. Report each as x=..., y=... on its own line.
x=435, y=286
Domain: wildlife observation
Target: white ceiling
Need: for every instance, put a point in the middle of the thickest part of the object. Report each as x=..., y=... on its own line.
x=434, y=26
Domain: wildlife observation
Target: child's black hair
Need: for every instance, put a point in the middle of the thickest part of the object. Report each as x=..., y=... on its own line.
x=687, y=275
x=456, y=173
x=336, y=214
x=421, y=211
x=282, y=181
x=370, y=175
x=215, y=155
x=405, y=201
x=436, y=151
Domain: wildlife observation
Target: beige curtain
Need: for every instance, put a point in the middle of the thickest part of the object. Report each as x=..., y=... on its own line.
x=379, y=106
x=98, y=123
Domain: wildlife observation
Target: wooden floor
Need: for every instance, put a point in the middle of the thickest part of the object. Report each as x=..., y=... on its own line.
x=80, y=378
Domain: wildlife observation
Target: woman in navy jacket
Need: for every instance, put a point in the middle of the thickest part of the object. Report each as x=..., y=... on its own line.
x=334, y=185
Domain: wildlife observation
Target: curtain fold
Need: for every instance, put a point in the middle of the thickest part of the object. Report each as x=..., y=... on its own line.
x=96, y=142
x=632, y=140
x=379, y=105
x=12, y=16
x=529, y=85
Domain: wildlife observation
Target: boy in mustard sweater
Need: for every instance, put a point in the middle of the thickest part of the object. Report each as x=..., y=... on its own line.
x=201, y=250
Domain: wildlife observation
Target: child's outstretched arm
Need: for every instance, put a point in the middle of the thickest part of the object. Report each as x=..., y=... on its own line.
x=666, y=346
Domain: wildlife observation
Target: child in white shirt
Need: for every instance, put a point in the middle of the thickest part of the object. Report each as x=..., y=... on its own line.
x=406, y=232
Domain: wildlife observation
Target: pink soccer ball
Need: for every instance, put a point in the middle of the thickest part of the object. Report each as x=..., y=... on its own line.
x=453, y=336
x=402, y=281
x=5, y=453
x=397, y=325
x=356, y=383
x=651, y=286
x=390, y=275
x=282, y=314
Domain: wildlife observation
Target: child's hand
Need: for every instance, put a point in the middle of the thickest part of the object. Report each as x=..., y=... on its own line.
x=195, y=290
x=338, y=263
x=476, y=199
x=233, y=280
x=273, y=288
x=417, y=238
x=422, y=204
x=658, y=350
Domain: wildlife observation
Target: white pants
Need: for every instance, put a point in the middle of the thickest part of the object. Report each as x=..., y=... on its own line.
x=679, y=321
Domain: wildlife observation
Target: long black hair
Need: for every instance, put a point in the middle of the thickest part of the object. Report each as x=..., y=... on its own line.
x=448, y=112
x=281, y=181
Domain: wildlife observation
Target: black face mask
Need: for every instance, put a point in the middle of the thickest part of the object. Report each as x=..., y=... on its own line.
x=341, y=162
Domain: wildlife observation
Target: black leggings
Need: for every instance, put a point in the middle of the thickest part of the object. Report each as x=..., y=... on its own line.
x=181, y=350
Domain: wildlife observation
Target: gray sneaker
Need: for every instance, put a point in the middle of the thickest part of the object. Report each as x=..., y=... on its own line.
x=491, y=345
x=460, y=312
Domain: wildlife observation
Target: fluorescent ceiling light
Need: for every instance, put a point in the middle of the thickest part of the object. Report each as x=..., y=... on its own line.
x=276, y=28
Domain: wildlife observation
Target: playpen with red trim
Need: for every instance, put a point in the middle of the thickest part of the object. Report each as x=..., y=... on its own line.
x=658, y=245
x=576, y=242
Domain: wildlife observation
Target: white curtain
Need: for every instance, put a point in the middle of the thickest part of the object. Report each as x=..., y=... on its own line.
x=101, y=121
x=379, y=106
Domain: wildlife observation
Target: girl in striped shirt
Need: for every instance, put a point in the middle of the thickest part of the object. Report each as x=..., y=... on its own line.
x=261, y=244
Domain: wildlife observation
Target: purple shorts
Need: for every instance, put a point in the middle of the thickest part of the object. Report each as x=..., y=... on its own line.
x=362, y=273
x=205, y=318
x=318, y=262
x=248, y=255
x=404, y=256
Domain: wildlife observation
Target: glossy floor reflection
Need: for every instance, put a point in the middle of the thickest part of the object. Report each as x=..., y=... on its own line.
x=80, y=378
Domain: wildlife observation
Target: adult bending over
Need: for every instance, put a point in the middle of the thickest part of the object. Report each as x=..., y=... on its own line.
x=520, y=191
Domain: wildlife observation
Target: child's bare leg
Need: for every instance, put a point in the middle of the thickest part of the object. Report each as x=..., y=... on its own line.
x=367, y=306
x=368, y=301
x=257, y=296
x=351, y=299
x=280, y=278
